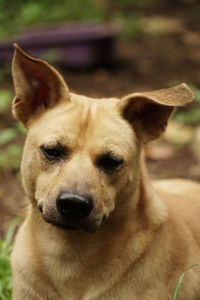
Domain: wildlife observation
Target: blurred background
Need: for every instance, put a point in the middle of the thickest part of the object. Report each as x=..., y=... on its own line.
x=105, y=48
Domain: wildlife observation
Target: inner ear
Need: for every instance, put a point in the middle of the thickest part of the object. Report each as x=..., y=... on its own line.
x=38, y=98
x=37, y=85
x=39, y=80
x=42, y=93
x=149, y=112
x=148, y=118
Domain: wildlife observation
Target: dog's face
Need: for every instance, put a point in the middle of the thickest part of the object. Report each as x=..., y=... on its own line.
x=76, y=161
x=81, y=157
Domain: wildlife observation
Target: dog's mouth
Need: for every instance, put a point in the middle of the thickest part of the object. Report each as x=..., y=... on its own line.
x=67, y=227
x=88, y=226
x=82, y=227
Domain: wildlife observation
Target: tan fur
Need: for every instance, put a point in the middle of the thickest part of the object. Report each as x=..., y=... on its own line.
x=152, y=231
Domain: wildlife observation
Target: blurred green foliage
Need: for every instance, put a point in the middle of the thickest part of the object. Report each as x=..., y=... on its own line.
x=190, y=115
x=131, y=25
x=10, y=137
x=6, y=98
x=5, y=268
x=17, y=15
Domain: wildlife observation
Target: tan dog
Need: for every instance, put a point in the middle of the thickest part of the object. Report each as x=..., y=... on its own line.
x=96, y=228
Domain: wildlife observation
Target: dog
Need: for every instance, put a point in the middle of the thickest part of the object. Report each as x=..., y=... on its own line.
x=96, y=227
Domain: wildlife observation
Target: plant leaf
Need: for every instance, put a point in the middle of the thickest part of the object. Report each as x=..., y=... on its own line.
x=180, y=281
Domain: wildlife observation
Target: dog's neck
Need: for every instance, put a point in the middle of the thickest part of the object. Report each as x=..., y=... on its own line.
x=153, y=208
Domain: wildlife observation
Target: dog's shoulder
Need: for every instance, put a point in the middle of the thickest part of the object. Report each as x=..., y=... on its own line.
x=178, y=186
x=182, y=198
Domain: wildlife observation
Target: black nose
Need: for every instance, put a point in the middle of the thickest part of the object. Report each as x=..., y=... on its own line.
x=74, y=207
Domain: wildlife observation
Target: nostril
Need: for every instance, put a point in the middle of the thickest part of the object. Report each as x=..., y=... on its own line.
x=72, y=206
x=40, y=207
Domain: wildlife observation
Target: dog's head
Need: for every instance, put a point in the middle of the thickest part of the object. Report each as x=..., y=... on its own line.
x=81, y=156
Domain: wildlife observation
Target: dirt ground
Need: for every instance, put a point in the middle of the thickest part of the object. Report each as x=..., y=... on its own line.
x=149, y=62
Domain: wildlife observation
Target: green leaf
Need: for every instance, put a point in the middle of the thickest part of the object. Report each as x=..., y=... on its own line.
x=5, y=268
x=190, y=116
x=5, y=100
x=11, y=157
x=20, y=128
x=180, y=281
x=7, y=135
x=11, y=231
x=196, y=91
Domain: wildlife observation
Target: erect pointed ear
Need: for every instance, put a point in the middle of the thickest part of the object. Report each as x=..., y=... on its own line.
x=37, y=85
x=149, y=112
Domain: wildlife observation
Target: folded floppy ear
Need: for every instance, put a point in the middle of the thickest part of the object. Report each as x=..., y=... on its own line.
x=37, y=85
x=149, y=112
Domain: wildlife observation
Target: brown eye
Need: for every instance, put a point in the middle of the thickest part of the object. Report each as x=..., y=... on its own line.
x=108, y=162
x=53, y=152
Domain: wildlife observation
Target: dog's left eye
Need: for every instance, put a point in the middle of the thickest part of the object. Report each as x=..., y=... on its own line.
x=53, y=152
x=108, y=162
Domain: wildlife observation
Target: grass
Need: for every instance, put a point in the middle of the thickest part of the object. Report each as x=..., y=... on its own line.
x=180, y=281
x=5, y=268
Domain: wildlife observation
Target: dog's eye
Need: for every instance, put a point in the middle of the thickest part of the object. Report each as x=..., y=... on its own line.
x=108, y=162
x=53, y=152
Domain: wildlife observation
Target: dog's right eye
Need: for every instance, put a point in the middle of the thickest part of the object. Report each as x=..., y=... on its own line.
x=108, y=162
x=53, y=152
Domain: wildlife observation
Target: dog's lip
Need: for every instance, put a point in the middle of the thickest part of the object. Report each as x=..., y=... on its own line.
x=87, y=227
x=84, y=226
x=72, y=228
x=81, y=227
x=75, y=228
x=62, y=225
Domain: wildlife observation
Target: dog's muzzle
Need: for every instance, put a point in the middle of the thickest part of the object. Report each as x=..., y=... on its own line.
x=73, y=211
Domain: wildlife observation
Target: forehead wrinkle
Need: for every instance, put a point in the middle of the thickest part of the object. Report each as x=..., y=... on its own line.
x=108, y=130
x=88, y=118
x=83, y=120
